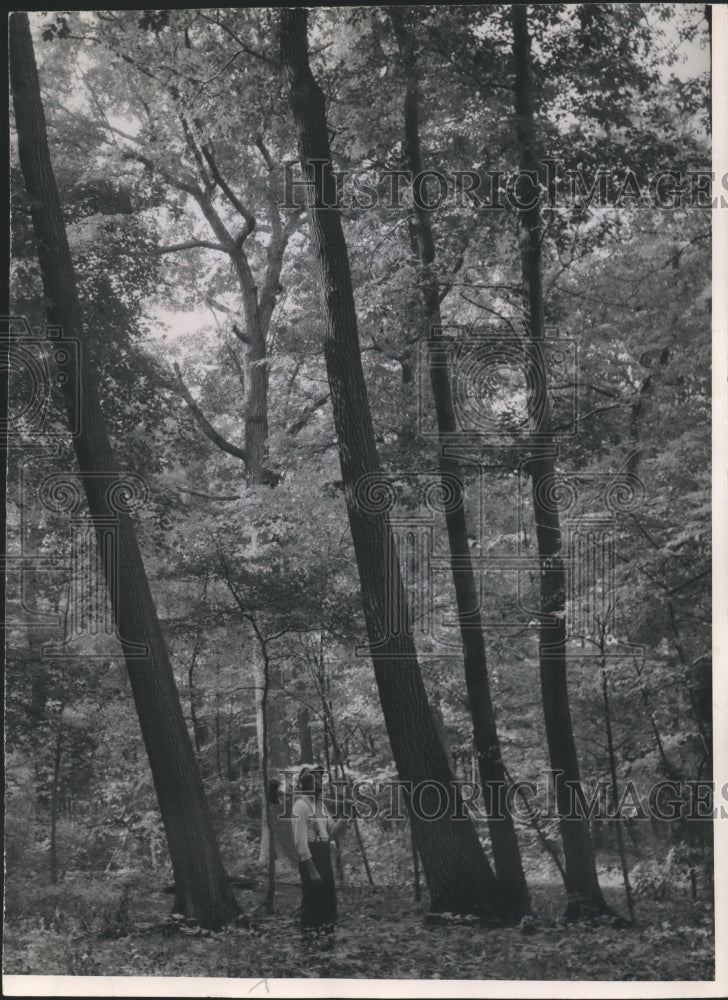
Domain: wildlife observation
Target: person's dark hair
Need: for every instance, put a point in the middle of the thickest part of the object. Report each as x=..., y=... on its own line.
x=306, y=782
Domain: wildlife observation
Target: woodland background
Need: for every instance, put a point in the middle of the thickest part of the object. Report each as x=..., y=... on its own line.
x=169, y=132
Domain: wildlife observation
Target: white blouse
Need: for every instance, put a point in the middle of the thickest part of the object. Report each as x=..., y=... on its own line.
x=311, y=821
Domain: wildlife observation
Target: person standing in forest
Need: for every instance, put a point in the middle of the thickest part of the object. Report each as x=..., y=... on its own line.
x=313, y=829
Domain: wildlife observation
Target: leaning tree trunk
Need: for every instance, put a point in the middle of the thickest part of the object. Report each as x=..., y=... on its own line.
x=506, y=853
x=202, y=889
x=5, y=336
x=582, y=886
x=458, y=872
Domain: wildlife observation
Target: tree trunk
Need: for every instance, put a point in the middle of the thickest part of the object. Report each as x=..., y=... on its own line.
x=304, y=736
x=458, y=872
x=582, y=886
x=203, y=891
x=256, y=387
x=613, y=774
x=330, y=728
x=261, y=736
x=5, y=339
x=506, y=853
x=270, y=895
x=415, y=868
x=55, y=784
x=191, y=690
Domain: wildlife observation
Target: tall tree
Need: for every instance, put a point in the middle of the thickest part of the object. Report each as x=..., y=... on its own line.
x=202, y=888
x=506, y=853
x=582, y=885
x=183, y=143
x=458, y=873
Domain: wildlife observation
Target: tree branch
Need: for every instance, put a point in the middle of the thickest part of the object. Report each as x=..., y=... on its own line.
x=194, y=148
x=177, y=385
x=187, y=185
x=222, y=497
x=298, y=424
x=237, y=204
x=238, y=41
x=190, y=245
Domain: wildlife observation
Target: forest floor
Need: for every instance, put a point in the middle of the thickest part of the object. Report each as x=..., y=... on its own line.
x=116, y=926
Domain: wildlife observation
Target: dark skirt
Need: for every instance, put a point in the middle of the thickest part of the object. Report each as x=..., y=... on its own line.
x=318, y=907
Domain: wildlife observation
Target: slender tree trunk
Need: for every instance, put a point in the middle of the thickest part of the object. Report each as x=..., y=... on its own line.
x=304, y=736
x=270, y=895
x=230, y=773
x=218, y=759
x=702, y=724
x=415, y=867
x=506, y=853
x=613, y=776
x=202, y=891
x=668, y=767
x=330, y=727
x=633, y=461
x=261, y=734
x=458, y=872
x=55, y=783
x=582, y=886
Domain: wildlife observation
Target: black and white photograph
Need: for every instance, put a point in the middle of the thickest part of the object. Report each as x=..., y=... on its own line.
x=364, y=397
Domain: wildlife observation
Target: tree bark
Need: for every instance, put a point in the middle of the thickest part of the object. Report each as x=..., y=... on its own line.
x=5, y=338
x=582, y=886
x=203, y=891
x=613, y=774
x=55, y=785
x=256, y=401
x=304, y=736
x=458, y=872
x=506, y=853
x=266, y=817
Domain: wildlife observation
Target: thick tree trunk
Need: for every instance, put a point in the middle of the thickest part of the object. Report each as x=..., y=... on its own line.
x=4, y=439
x=458, y=872
x=582, y=886
x=203, y=891
x=506, y=853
